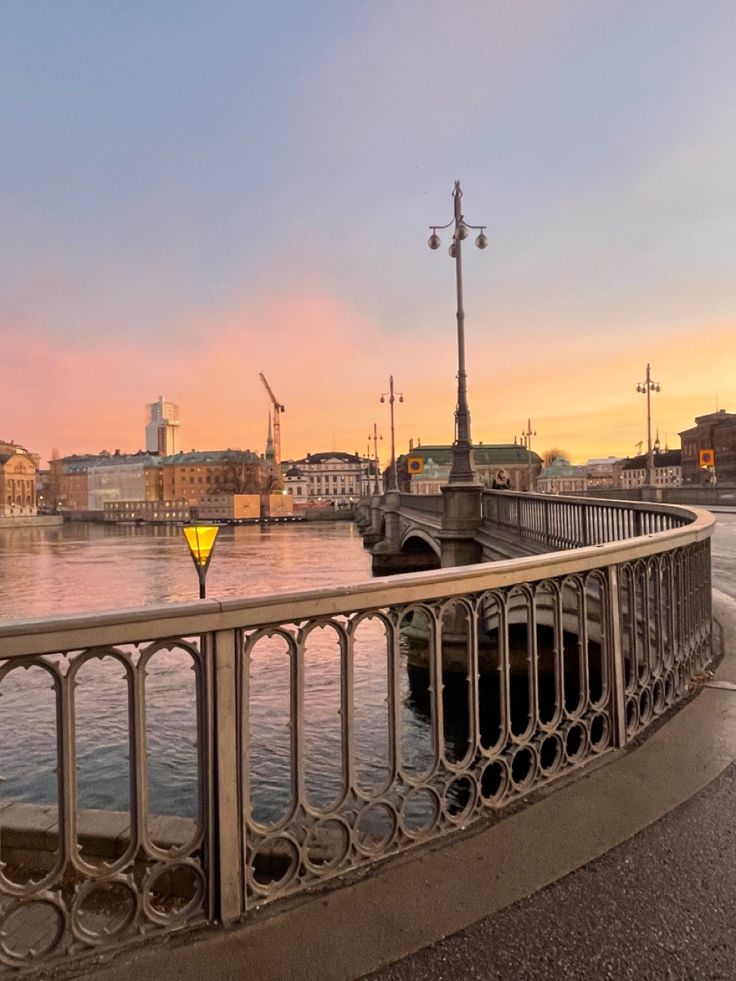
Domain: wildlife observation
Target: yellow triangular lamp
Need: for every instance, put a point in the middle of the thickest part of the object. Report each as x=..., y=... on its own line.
x=201, y=542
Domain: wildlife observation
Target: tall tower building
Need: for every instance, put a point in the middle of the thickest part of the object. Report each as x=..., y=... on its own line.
x=162, y=427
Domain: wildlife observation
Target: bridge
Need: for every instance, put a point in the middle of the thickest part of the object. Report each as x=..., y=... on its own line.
x=515, y=673
x=411, y=532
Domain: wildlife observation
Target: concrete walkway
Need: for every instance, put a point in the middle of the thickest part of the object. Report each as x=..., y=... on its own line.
x=653, y=905
x=661, y=905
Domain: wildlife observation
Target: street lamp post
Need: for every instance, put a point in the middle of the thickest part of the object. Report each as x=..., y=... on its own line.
x=391, y=395
x=646, y=388
x=375, y=437
x=201, y=542
x=526, y=437
x=461, y=470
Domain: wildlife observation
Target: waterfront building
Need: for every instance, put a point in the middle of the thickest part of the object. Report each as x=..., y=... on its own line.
x=69, y=481
x=507, y=466
x=667, y=471
x=18, y=470
x=146, y=511
x=82, y=483
x=88, y=482
x=229, y=507
x=124, y=477
x=717, y=432
x=162, y=427
x=604, y=472
x=325, y=479
x=193, y=476
x=44, y=492
x=562, y=477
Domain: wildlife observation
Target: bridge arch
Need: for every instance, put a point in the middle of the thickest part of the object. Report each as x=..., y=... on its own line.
x=415, y=540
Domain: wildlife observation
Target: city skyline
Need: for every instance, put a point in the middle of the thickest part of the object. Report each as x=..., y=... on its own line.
x=174, y=225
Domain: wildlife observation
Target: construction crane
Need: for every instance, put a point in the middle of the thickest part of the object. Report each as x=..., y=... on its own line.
x=278, y=408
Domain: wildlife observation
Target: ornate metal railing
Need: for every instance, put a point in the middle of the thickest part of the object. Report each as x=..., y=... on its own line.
x=331, y=729
x=562, y=523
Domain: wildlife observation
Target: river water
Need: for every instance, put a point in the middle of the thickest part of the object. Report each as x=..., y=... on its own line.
x=82, y=567
x=79, y=567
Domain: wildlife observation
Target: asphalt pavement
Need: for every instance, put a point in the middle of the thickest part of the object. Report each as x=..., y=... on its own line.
x=723, y=555
x=662, y=905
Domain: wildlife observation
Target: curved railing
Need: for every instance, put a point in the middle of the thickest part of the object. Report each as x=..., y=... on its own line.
x=337, y=727
x=565, y=522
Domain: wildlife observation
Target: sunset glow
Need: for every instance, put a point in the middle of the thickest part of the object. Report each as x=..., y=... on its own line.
x=190, y=200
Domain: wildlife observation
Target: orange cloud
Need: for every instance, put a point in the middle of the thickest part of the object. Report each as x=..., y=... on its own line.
x=329, y=364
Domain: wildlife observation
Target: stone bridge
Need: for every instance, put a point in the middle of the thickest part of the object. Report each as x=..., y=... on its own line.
x=465, y=525
x=341, y=727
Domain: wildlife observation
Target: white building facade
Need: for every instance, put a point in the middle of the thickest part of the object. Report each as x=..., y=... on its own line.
x=667, y=470
x=327, y=479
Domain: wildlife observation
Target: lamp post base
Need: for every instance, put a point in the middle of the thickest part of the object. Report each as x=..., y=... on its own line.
x=461, y=518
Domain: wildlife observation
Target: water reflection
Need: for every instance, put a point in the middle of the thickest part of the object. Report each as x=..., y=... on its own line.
x=78, y=567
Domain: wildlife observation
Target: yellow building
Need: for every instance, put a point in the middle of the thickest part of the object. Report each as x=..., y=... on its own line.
x=17, y=481
x=195, y=476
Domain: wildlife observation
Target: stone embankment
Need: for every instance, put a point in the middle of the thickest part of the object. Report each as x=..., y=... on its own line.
x=32, y=521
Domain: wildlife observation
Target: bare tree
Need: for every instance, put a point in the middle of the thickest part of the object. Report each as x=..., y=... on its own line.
x=549, y=456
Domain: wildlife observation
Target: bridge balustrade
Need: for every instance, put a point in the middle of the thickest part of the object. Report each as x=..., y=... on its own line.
x=421, y=502
x=336, y=728
x=564, y=523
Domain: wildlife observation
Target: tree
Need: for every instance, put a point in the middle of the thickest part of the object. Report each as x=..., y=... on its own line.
x=549, y=456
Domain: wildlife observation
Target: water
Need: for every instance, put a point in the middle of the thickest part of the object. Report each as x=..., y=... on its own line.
x=81, y=567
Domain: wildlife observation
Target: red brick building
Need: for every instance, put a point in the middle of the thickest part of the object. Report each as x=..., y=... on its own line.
x=715, y=431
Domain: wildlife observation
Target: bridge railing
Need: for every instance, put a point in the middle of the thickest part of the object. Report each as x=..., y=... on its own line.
x=422, y=502
x=327, y=729
x=563, y=523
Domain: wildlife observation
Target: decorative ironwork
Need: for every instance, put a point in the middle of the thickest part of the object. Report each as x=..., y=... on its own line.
x=71, y=878
x=396, y=712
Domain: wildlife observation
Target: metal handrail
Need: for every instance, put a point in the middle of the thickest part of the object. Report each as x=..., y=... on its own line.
x=582, y=648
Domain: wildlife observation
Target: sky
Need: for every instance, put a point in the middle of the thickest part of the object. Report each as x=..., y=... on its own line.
x=193, y=193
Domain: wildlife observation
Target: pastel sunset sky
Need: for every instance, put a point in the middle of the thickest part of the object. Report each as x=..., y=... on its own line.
x=193, y=192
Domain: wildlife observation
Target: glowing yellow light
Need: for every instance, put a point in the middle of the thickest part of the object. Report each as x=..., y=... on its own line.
x=201, y=542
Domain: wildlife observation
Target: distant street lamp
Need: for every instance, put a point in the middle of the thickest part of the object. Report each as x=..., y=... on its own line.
x=526, y=440
x=375, y=437
x=461, y=470
x=201, y=542
x=646, y=388
x=391, y=395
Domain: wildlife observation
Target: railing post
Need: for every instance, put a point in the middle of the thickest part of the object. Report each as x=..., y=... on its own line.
x=227, y=857
x=545, y=510
x=618, y=682
x=584, y=530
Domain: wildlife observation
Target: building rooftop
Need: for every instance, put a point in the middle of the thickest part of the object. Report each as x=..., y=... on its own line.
x=602, y=461
x=668, y=458
x=560, y=467
x=484, y=454
x=212, y=456
x=333, y=455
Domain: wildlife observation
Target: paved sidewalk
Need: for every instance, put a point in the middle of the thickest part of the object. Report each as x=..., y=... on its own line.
x=662, y=905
